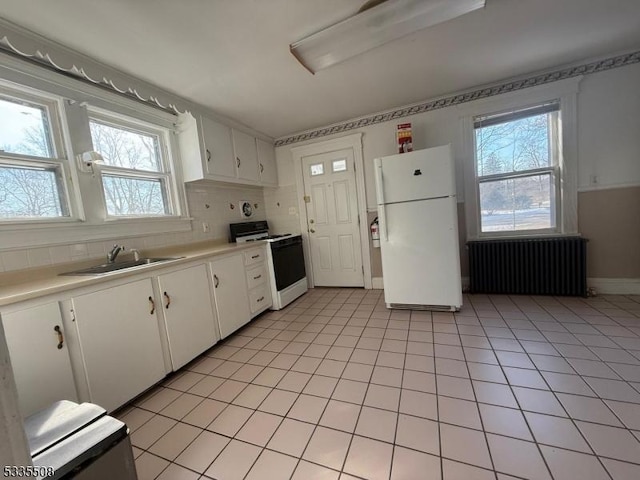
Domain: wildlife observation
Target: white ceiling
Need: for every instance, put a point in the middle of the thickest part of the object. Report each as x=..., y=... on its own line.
x=233, y=55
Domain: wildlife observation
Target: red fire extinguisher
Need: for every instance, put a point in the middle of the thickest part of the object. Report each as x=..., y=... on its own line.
x=375, y=232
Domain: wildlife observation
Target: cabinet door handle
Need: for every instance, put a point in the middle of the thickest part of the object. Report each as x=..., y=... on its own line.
x=238, y=160
x=168, y=298
x=60, y=336
x=260, y=299
x=261, y=168
x=208, y=155
x=216, y=281
x=259, y=276
x=153, y=306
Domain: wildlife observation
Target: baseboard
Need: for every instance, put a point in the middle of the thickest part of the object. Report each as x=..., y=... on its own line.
x=615, y=286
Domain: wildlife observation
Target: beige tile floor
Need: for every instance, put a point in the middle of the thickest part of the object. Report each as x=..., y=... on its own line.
x=338, y=387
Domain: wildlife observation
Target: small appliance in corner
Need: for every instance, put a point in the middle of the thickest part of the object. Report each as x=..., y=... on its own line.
x=285, y=259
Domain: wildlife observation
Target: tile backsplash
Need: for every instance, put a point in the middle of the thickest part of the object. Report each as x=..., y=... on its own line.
x=281, y=205
x=208, y=203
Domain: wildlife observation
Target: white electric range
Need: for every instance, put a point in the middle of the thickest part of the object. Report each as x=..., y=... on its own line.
x=285, y=260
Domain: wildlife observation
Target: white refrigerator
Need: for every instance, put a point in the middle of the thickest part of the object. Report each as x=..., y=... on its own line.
x=418, y=220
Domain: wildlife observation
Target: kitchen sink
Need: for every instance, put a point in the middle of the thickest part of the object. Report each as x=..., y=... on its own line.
x=116, y=266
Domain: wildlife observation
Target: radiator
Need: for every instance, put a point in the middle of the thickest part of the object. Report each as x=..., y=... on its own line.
x=536, y=266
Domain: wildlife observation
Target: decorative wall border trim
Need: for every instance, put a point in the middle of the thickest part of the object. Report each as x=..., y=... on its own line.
x=456, y=99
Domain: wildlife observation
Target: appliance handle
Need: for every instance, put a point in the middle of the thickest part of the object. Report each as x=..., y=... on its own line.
x=379, y=181
x=382, y=220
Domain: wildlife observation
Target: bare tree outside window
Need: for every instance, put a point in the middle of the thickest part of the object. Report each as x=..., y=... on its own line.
x=515, y=165
x=133, y=177
x=28, y=188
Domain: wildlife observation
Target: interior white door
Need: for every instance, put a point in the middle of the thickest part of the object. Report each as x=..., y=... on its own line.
x=332, y=214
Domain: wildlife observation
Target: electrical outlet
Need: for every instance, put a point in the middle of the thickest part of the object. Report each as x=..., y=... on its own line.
x=205, y=227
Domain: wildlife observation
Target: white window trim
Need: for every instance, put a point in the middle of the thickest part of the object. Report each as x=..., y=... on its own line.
x=567, y=216
x=168, y=163
x=88, y=221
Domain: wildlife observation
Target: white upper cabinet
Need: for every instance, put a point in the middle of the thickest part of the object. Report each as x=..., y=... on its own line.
x=244, y=148
x=267, y=163
x=210, y=150
x=218, y=149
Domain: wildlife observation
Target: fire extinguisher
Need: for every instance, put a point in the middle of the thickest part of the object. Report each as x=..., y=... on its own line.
x=375, y=232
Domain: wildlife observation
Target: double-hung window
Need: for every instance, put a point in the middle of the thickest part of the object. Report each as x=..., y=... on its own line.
x=33, y=167
x=136, y=174
x=517, y=158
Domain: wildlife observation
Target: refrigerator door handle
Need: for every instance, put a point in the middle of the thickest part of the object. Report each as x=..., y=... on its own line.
x=379, y=181
x=382, y=220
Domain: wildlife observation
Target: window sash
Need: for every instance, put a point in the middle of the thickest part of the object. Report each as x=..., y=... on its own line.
x=137, y=127
x=513, y=115
x=59, y=167
x=518, y=174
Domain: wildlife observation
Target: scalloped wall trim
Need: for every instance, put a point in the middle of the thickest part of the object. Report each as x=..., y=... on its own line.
x=28, y=45
x=457, y=99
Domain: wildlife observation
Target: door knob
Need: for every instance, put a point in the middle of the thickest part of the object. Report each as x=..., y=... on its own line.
x=311, y=221
x=312, y=230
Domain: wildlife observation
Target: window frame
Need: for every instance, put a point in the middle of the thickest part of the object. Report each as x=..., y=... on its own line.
x=553, y=170
x=61, y=160
x=88, y=222
x=166, y=175
x=566, y=92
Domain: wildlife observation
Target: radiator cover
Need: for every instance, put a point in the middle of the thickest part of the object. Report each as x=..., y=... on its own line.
x=531, y=266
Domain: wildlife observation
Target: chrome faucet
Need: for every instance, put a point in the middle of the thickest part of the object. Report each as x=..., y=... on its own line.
x=113, y=254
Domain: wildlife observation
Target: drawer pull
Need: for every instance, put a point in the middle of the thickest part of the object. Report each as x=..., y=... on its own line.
x=60, y=336
x=166, y=295
x=153, y=306
x=255, y=256
x=260, y=299
x=259, y=276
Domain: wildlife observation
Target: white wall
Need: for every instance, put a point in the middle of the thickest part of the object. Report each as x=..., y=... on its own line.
x=608, y=135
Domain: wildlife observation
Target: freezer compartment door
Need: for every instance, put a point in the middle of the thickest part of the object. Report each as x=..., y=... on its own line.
x=420, y=255
x=415, y=175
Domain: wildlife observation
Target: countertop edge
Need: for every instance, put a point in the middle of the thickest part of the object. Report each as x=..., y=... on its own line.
x=55, y=283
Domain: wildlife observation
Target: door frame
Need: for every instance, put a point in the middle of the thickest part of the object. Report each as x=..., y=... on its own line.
x=353, y=142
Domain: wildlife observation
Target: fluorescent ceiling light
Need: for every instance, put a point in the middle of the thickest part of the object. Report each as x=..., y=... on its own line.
x=376, y=26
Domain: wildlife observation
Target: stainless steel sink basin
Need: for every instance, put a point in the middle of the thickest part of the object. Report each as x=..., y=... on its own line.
x=113, y=267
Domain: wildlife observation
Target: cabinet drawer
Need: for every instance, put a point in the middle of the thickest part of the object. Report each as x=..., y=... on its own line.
x=253, y=256
x=256, y=276
x=259, y=298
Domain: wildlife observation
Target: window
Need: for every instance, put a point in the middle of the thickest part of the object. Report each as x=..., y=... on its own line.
x=517, y=158
x=32, y=167
x=136, y=178
x=317, y=169
x=339, y=165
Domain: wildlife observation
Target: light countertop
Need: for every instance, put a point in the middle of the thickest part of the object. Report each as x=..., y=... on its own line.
x=33, y=283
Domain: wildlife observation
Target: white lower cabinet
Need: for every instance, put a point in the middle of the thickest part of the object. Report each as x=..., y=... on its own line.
x=120, y=341
x=39, y=356
x=188, y=313
x=230, y=291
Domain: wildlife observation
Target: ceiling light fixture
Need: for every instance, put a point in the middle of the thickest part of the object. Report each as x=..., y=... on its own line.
x=377, y=22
